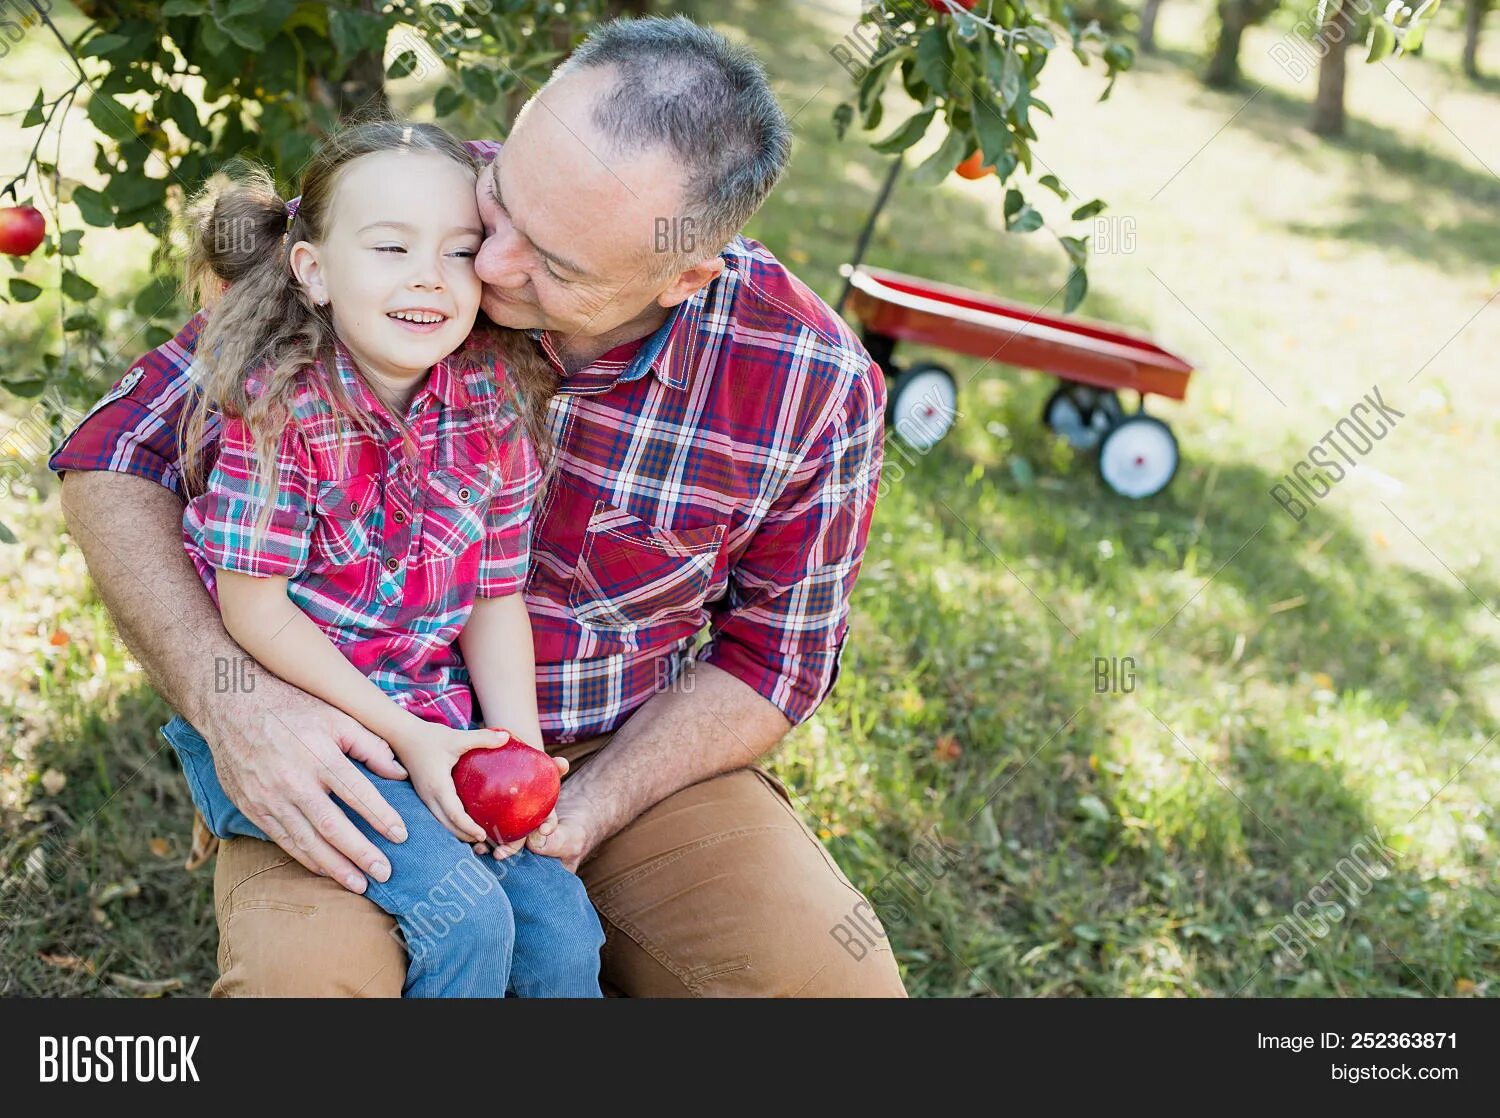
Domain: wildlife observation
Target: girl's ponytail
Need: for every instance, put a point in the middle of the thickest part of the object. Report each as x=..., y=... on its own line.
x=259, y=319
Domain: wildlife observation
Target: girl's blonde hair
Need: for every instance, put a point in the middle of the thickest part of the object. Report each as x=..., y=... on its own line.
x=260, y=320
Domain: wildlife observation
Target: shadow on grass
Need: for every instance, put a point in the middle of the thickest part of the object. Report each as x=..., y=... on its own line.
x=94, y=876
x=1281, y=118
x=1252, y=830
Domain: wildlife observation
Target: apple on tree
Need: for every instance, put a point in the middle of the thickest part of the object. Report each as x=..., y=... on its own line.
x=508, y=790
x=22, y=228
x=974, y=168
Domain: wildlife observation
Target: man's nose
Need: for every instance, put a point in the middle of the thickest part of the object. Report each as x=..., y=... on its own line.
x=501, y=259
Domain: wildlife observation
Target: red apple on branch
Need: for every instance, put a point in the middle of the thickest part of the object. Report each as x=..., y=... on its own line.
x=974, y=168
x=22, y=228
x=940, y=6
x=508, y=791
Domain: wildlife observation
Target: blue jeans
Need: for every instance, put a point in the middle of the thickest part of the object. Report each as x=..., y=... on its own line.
x=473, y=927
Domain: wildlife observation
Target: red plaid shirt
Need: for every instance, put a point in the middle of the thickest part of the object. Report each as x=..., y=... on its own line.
x=720, y=474
x=385, y=540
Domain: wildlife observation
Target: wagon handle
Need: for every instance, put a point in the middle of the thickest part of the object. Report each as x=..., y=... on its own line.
x=867, y=232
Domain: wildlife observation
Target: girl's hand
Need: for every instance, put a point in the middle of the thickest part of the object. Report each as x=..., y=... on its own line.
x=429, y=755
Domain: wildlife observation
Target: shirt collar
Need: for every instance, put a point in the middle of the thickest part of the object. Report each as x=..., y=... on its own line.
x=444, y=382
x=667, y=352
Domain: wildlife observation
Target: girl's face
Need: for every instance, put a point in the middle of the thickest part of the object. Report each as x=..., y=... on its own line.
x=396, y=265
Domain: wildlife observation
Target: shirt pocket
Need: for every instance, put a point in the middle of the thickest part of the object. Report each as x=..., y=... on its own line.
x=458, y=501
x=632, y=574
x=347, y=528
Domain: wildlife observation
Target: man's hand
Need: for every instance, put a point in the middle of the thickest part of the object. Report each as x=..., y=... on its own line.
x=570, y=833
x=281, y=755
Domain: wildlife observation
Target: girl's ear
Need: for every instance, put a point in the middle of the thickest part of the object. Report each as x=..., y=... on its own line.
x=308, y=269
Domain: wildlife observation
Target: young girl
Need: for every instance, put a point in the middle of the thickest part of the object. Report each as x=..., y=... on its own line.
x=365, y=529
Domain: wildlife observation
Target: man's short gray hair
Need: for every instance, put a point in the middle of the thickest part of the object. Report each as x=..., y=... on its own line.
x=686, y=88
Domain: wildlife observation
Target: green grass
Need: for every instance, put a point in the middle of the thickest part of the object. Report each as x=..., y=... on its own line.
x=1298, y=686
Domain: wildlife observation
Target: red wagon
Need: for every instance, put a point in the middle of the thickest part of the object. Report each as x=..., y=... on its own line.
x=1093, y=360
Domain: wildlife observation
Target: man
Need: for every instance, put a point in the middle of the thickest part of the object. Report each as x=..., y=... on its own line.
x=718, y=432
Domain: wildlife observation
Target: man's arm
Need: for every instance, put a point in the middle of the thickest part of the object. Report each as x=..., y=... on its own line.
x=278, y=752
x=774, y=650
x=708, y=723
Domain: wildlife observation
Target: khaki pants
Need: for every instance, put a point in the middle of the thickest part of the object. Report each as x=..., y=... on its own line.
x=720, y=890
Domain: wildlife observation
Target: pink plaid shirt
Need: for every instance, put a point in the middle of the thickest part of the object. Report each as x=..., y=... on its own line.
x=385, y=542
x=719, y=475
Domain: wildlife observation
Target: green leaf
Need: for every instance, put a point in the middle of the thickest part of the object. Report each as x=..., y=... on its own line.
x=448, y=100
x=26, y=387
x=1013, y=203
x=994, y=136
x=34, y=115
x=1089, y=209
x=1026, y=220
x=1077, y=288
x=81, y=321
x=78, y=289
x=955, y=149
x=112, y=118
x=933, y=58
x=103, y=44
x=909, y=133
x=1077, y=249
x=184, y=8
x=1039, y=35
x=156, y=336
x=69, y=242
x=1052, y=183
x=94, y=206
x=1009, y=85
x=23, y=291
x=155, y=297
x=1382, y=41
x=1412, y=40
x=480, y=83
x=6, y=535
x=1092, y=807
x=353, y=32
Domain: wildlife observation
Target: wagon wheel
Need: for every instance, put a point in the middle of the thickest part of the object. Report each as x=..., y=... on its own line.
x=923, y=404
x=1082, y=415
x=1138, y=457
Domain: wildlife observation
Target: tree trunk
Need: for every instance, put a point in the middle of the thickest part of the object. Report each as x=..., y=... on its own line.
x=1224, y=66
x=1474, y=12
x=1328, y=107
x=1146, y=37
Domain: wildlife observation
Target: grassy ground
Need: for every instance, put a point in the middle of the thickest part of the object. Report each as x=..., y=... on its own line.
x=1298, y=687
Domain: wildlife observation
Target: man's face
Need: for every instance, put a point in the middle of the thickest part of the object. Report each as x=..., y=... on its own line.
x=570, y=232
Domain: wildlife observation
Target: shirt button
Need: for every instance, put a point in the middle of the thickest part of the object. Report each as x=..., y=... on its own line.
x=464, y=494
x=354, y=507
x=393, y=564
x=399, y=517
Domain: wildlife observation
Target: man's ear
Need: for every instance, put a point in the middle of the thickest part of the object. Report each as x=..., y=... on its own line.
x=305, y=265
x=692, y=280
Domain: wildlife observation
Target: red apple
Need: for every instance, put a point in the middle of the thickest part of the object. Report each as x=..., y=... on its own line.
x=508, y=791
x=940, y=6
x=22, y=228
x=974, y=168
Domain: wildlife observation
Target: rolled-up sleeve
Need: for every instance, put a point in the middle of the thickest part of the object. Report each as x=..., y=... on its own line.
x=225, y=520
x=133, y=429
x=782, y=626
x=506, y=554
